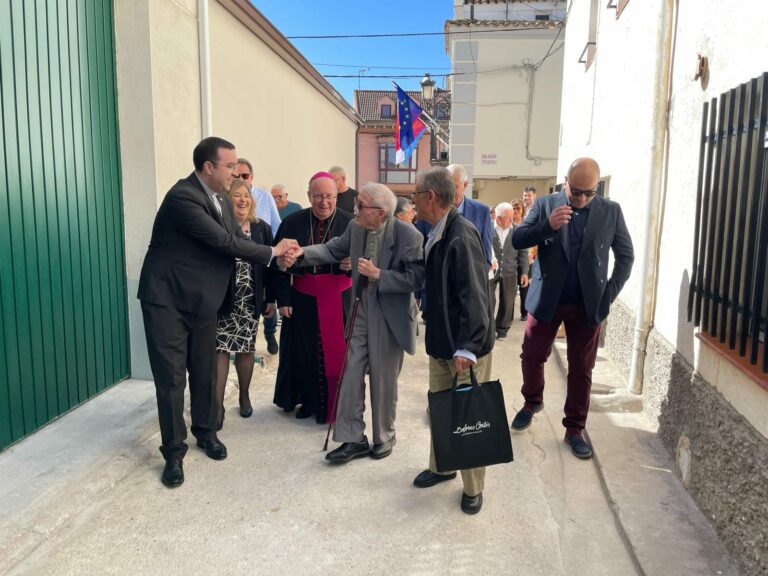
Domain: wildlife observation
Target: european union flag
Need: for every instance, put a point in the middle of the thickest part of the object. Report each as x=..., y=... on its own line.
x=409, y=128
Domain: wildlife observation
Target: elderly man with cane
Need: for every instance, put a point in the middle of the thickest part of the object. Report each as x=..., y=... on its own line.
x=387, y=266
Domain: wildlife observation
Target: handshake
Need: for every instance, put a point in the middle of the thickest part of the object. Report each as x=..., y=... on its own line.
x=287, y=252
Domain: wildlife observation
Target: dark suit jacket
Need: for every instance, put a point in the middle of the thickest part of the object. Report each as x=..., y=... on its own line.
x=192, y=252
x=459, y=311
x=606, y=230
x=510, y=261
x=480, y=215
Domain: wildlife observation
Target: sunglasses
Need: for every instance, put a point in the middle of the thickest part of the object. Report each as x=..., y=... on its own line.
x=244, y=175
x=578, y=192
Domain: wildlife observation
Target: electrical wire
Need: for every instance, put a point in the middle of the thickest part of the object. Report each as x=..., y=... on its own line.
x=407, y=34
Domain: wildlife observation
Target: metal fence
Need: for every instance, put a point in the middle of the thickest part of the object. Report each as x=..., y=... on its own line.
x=729, y=283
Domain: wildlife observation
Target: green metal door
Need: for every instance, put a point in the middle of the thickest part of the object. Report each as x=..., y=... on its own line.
x=63, y=318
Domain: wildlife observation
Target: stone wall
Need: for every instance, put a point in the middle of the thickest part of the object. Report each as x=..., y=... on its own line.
x=721, y=458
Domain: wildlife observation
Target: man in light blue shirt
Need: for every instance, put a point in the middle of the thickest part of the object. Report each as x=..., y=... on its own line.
x=266, y=210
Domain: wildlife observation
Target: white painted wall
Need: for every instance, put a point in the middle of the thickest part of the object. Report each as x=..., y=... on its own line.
x=607, y=113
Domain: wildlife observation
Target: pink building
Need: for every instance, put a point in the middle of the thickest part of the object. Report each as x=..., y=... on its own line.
x=376, y=142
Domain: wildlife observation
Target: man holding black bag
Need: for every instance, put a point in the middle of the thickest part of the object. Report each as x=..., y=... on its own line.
x=459, y=332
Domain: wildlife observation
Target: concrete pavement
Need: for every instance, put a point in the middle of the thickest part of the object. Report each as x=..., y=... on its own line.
x=83, y=496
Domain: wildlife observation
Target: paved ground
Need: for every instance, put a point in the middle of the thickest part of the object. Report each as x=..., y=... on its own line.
x=83, y=496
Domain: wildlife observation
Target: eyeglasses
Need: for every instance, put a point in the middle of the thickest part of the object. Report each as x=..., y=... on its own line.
x=517, y=208
x=244, y=175
x=413, y=195
x=361, y=206
x=323, y=198
x=578, y=191
x=229, y=167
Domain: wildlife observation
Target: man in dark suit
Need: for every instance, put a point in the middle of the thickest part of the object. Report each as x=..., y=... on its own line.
x=509, y=262
x=185, y=280
x=574, y=229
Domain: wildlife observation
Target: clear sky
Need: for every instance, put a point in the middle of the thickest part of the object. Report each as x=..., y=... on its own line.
x=331, y=17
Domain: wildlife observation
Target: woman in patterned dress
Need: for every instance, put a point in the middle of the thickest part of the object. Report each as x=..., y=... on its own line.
x=236, y=331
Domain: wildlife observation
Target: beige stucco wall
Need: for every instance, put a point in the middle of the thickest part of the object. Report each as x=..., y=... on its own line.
x=158, y=102
x=491, y=192
x=491, y=89
x=287, y=128
x=502, y=107
x=275, y=117
x=607, y=113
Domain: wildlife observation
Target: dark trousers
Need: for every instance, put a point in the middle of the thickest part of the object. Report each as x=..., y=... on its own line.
x=582, y=339
x=179, y=342
x=507, y=288
x=523, y=294
x=270, y=324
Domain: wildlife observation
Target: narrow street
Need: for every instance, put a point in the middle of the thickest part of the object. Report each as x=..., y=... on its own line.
x=84, y=496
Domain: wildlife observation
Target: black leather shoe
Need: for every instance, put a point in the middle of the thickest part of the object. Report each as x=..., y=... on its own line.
x=272, y=346
x=501, y=336
x=471, y=504
x=429, y=478
x=384, y=449
x=173, y=473
x=213, y=448
x=523, y=418
x=579, y=446
x=246, y=411
x=348, y=451
x=303, y=413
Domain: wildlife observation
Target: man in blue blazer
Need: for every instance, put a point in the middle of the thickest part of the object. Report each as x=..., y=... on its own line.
x=574, y=230
x=476, y=212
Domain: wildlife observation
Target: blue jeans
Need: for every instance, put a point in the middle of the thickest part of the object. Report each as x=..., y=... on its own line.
x=270, y=325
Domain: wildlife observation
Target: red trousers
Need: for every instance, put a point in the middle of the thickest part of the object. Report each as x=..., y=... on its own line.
x=582, y=339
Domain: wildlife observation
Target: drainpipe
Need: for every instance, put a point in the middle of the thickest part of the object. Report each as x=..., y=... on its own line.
x=205, y=66
x=649, y=257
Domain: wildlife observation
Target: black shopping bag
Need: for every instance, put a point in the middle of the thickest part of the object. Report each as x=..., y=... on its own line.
x=469, y=425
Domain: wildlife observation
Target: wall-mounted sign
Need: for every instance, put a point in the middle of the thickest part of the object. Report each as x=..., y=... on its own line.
x=488, y=159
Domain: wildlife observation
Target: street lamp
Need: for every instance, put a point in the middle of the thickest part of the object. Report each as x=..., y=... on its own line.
x=427, y=87
x=431, y=100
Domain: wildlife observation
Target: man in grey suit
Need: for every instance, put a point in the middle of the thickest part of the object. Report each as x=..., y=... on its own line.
x=574, y=230
x=509, y=262
x=387, y=263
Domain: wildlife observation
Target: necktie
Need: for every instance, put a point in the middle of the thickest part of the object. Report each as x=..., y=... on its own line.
x=217, y=203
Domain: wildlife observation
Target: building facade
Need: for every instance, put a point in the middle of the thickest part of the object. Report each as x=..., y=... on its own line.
x=691, y=181
x=507, y=60
x=102, y=104
x=376, y=140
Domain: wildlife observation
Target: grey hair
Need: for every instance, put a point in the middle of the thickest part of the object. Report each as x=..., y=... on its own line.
x=278, y=186
x=381, y=196
x=440, y=181
x=503, y=207
x=402, y=204
x=455, y=169
x=337, y=171
x=246, y=162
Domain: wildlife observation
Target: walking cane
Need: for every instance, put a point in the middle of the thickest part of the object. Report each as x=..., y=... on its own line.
x=361, y=282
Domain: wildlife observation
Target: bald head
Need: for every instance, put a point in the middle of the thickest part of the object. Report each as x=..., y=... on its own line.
x=582, y=182
x=584, y=173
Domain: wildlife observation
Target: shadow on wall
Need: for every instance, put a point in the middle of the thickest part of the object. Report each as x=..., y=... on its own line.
x=685, y=329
